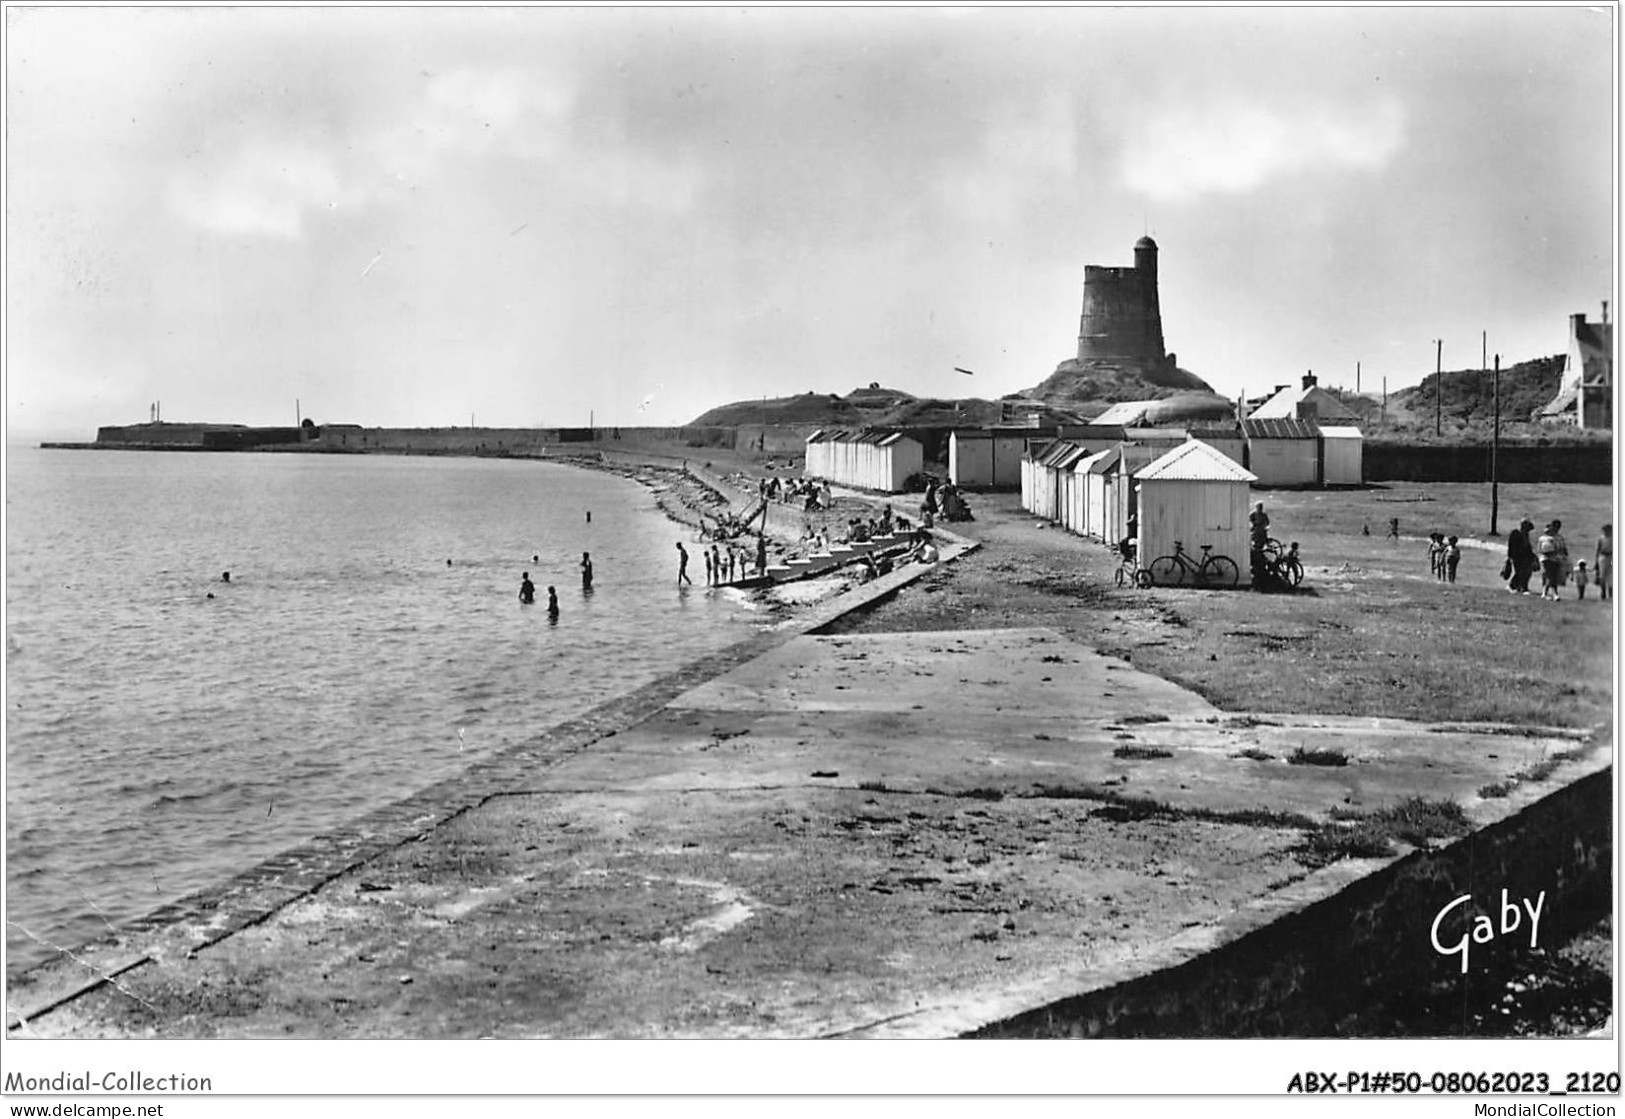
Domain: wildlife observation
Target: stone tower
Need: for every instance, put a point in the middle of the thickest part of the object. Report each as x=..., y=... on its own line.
x=1122, y=319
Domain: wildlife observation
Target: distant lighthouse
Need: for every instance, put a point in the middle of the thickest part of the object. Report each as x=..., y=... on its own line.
x=1122, y=317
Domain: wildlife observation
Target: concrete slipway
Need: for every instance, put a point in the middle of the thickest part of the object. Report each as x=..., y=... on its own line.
x=918, y=835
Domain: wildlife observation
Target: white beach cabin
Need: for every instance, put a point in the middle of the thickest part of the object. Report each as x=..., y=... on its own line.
x=1197, y=495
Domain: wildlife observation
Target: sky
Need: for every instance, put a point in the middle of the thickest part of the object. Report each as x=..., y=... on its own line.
x=537, y=216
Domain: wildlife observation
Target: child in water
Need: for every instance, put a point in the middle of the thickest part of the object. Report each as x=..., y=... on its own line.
x=552, y=603
x=527, y=589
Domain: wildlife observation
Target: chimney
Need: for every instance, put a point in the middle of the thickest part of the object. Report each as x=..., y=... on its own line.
x=1309, y=379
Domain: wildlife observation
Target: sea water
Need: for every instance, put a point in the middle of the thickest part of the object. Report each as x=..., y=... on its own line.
x=166, y=729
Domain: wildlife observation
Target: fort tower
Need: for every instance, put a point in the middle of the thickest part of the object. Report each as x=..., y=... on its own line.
x=1122, y=319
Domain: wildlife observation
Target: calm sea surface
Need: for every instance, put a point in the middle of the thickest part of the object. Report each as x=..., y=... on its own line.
x=159, y=740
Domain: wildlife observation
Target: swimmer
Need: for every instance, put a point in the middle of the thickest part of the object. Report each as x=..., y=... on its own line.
x=225, y=576
x=527, y=589
x=552, y=603
x=586, y=571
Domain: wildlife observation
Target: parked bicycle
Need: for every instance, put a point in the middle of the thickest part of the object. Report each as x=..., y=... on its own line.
x=1284, y=567
x=1177, y=569
x=1129, y=572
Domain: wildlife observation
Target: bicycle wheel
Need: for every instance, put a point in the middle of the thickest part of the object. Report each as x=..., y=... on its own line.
x=1166, y=571
x=1272, y=548
x=1122, y=575
x=1293, y=571
x=1218, y=571
x=1142, y=578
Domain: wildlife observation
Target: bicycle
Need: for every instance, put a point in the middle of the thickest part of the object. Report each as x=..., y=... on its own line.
x=1213, y=571
x=1284, y=566
x=1130, y=574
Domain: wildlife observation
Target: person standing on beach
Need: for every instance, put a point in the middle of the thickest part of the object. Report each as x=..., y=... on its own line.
x=1452, y=558
x=710, y=572
x=761, y=555
x=527, y=589
x=716, y=562
x=586, y=571
x=682, y=565
x=1603, y=569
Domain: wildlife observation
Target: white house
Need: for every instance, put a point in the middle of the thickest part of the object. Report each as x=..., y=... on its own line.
x=1306, y=401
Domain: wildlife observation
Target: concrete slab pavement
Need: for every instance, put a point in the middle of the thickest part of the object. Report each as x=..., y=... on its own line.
x=897, y=835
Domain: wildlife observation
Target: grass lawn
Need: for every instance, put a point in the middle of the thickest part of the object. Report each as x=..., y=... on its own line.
x=1370, y=633
x=1374, y=633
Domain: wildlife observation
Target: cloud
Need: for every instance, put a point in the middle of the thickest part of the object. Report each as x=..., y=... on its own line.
x=512, y=112
x=262, y=189
x=1232, y=147
x=1020, y=154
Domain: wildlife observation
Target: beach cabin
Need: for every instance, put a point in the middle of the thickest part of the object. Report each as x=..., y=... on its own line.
x=1342, y=456
x=1121, y=498
x=1095, y=470
x=900, y=458
x=1197, y=495
x=815, y=455
x=989, y=458
x=1029, y=475
x=1283, y=452
x=1055, y=484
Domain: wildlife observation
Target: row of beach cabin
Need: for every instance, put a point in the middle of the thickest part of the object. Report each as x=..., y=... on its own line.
x=870, y=459
x=1278, y=452
x=1190, y=492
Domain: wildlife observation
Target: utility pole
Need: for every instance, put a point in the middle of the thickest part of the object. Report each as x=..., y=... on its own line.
x=1438, y=386
x=1495, y=453
x=1385, y=400
x=1356, y=378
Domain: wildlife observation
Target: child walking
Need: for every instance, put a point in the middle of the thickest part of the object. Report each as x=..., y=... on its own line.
x=1581, y=578
x=1452, y=557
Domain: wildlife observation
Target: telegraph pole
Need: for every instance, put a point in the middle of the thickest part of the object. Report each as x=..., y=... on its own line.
x=1438, y=386
x=1495, y=452
x=1356, y=378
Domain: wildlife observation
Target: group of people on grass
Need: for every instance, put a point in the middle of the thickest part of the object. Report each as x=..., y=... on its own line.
x=1549, y=553
x=1444, y=556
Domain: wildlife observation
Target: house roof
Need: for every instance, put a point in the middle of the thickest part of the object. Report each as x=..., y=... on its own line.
x=1195, y=461
x=1127, y=413
x=1280, y=429
x=1342, y=433
x=1100, y=463
x=1284, y=405
x=1229, y=431
x=1062, y=455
